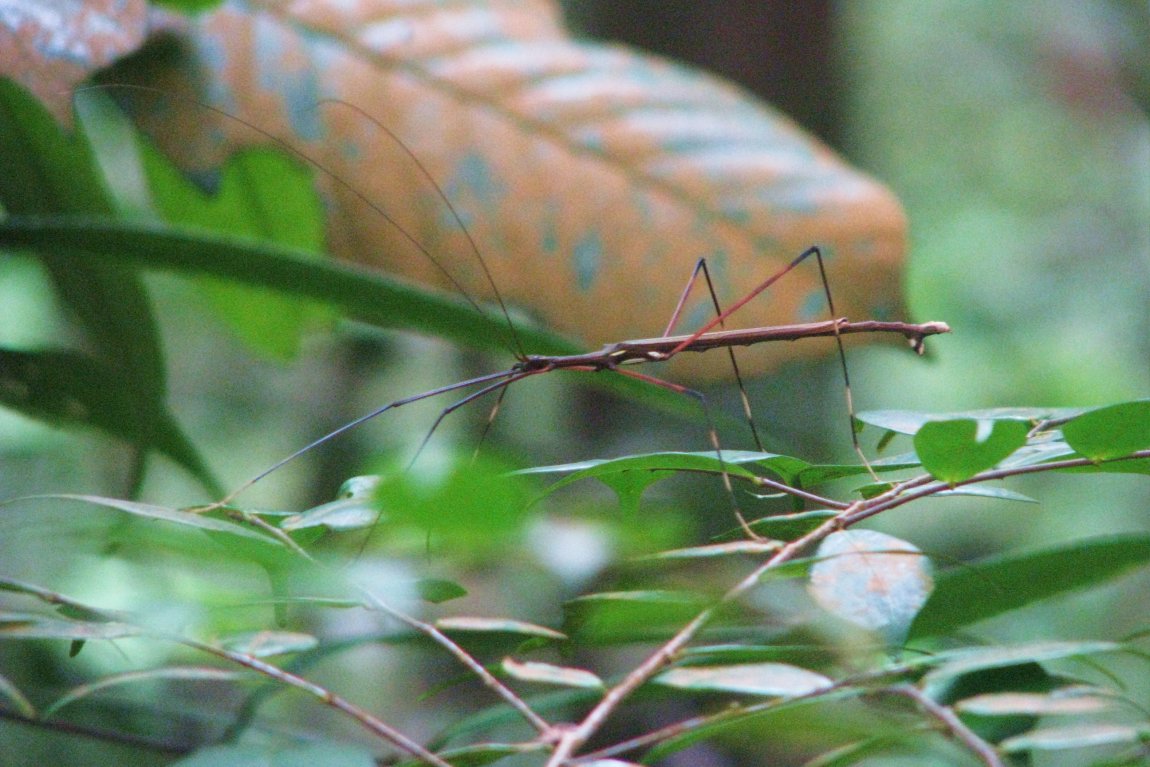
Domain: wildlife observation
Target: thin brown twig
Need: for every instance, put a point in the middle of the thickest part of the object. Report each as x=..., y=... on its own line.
x=950, y=721
x=338, y=702
x=373, y=602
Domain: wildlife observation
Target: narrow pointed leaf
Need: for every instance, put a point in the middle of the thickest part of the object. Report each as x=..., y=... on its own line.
x=1064, y=702
x=497, y=626
x=547, y=673
x=18, y=700
x=769, y=679
x=984, y=658
x=264, y=644
x=163, y=513
x=1076, y=736
x=190, y=673
x=974, y=592
x=34, y=626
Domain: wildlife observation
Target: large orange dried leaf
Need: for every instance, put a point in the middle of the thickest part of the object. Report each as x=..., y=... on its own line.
x=592, y=176
x=50, y=46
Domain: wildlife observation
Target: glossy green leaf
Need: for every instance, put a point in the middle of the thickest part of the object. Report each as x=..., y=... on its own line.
x=1075, y=736
x=630, y=475
x=954, y=451
x=192, y=673
x=871, y=579
x=1110, y=432
x=73, y=389
x=768, y=679
x=970, y=593
x=547, y=673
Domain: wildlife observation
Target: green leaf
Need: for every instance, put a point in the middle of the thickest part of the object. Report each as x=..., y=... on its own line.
x=1110, y=432
x=437, y=591
x=630, y=475
x=1075, y=736
x=619, y=616
x=1072, y=701
x=264, y=195
x=986, y=491
x=338, y=516
x=73, y=389
x=970, y=593
x=547, y=673
x=265, y=644
x=788, y=527
x=151, y=511
x=909, y=421
x=768, y=679
x=194, y=673
x=473, y=508
x=871, y=579
x=983, y=658
x=954, y=451
x=733, y=548
x=42, y=169
x=35, y=626
x=357, y=292
x=496, y=626
x=45, y=172
x=21, y=703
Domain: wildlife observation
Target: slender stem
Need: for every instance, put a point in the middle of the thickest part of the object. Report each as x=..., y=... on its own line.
x=373, y=602
x=364, y=717
x=536, y=721
x=949, y=720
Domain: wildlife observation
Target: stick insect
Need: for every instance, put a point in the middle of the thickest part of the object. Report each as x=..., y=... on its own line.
x=617, y=357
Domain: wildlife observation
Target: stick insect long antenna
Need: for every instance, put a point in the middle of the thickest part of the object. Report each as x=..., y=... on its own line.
x=350, y=188
x=512, y=334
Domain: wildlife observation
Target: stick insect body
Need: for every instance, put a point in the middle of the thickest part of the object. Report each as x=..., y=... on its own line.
x=616, y=357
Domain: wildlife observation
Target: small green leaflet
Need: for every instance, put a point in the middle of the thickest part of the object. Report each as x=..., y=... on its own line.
x=954, y=451
x=1110, y=432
